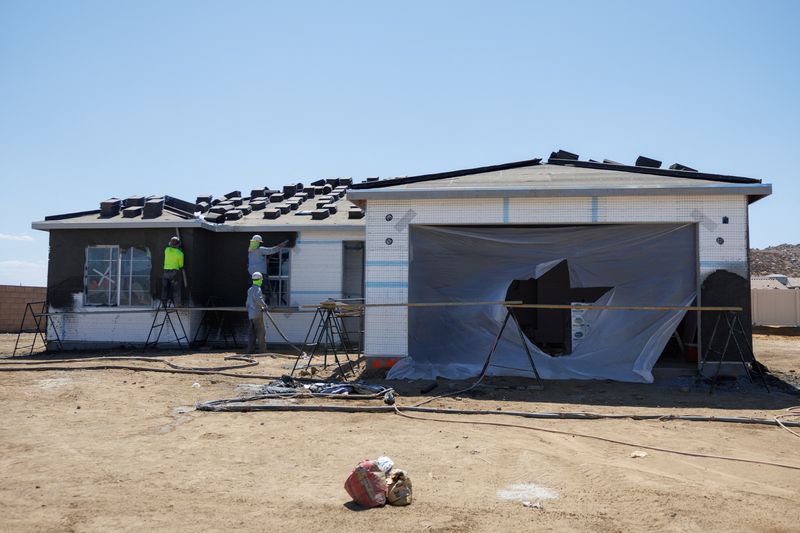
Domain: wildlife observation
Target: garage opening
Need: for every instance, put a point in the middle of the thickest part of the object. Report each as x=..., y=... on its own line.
x=619, y=265
x=552, y=330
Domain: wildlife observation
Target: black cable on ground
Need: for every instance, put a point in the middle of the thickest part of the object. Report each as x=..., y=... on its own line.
x=238, y=406
x=46, y=366
x=298, y=350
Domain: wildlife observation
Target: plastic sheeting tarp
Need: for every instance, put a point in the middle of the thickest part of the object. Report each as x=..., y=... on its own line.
x=646, y=264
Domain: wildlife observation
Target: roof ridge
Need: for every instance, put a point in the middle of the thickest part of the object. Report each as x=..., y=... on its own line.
x=672, y=173
x=444, y=175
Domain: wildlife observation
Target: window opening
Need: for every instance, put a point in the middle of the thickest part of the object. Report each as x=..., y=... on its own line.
x=117, y=277
x=278, y=278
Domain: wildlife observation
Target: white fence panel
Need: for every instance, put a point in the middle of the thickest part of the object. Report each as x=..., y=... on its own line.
x=775, y=307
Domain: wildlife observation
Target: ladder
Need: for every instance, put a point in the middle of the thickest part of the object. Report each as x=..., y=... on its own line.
x=171, y=316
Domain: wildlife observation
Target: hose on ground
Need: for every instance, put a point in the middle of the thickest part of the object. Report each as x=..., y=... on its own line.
x=136, y=369
x=49, y=365
x=793, y=412
x=247, y=362
x=237, y=406
x=298, y=350
x=608, y=440
x=210, y=406
x=218, y=405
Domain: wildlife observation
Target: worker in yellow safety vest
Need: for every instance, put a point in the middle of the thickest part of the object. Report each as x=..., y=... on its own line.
x=173, y=264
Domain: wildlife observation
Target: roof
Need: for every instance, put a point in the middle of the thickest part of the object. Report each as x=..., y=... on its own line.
x=559, y=177
x=290, y=209
x=294, y=214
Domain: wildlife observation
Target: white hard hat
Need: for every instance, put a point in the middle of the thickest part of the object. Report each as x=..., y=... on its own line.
x=257, y=238
x=258, y=275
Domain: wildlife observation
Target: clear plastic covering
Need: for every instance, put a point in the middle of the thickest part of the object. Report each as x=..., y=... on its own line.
x=645, y=264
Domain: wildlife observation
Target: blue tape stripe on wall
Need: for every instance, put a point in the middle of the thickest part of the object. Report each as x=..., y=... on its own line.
x=594, y=208
x=387, y=263
x=505, y=210
x=387, y=284
x=317, y=292
x=722, y=264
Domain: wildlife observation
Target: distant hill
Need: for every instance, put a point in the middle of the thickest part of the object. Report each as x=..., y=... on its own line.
x=781, y=259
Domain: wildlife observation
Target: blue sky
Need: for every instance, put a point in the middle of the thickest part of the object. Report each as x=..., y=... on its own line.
x=113, y=98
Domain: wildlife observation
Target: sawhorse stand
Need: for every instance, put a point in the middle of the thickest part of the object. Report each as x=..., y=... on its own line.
x=328, y=333
x=41, y=319
x=522, y=339
x=214, y=320
x=167, y=308
x=734, y=328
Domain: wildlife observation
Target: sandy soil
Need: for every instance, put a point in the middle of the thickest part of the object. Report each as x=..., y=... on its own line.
x=122, y=450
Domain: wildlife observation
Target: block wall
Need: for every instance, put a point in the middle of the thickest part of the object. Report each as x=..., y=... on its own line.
x=721, y=222
x=13, y=299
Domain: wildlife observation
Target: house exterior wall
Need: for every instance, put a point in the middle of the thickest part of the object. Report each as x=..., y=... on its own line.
x=216, y=265
x=316, y=265
x=387, y=264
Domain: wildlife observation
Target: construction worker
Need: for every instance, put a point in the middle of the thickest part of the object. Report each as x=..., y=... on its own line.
x=173, y=264
x=255, y=312
x=257, y=256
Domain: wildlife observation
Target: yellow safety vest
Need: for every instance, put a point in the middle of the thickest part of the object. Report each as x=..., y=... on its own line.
x=173, y=258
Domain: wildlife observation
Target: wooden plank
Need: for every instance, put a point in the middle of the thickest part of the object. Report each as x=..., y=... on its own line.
x=520, y=305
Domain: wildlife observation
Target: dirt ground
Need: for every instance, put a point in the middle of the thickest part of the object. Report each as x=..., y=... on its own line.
x=123, y=450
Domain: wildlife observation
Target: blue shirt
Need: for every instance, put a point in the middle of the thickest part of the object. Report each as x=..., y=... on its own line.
x=257, y=259
x=255, y=302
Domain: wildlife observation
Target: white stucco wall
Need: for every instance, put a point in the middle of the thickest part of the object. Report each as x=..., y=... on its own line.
x=387, y=264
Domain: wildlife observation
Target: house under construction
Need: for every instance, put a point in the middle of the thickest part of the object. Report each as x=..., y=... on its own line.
x=564, y=232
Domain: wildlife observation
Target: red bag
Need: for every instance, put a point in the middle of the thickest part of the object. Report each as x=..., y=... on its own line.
x=366, y=484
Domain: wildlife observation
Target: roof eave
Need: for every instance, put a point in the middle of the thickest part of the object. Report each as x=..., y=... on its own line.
x=753, y=191
x=267, y=228
x=47, y=225
x=756, y=196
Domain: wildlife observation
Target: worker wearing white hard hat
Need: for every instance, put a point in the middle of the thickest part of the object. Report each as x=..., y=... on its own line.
x=257, y=254
x=257, y=258
x=256, y=332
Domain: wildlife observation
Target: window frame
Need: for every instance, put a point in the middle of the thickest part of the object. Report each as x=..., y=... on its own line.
x=115, y=276
x=284, y=257
x=131, y=276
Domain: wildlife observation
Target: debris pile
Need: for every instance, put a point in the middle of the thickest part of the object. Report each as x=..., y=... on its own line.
x=781, y=259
